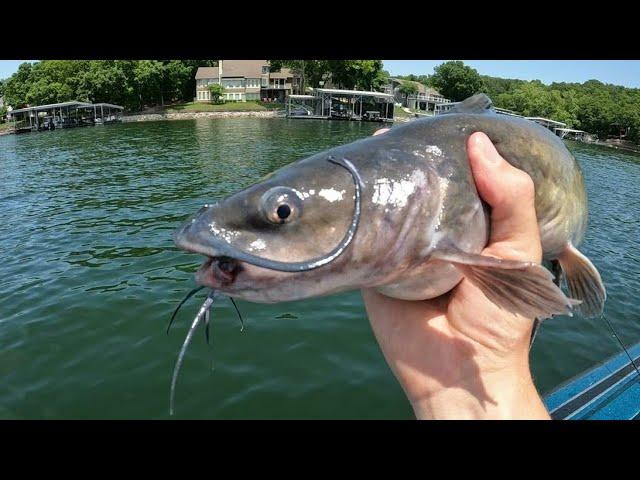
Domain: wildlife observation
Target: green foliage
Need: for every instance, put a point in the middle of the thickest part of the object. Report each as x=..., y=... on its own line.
x=216, y=91
x=311, y=72
x=593, y=106
x=131, y=83
x=351, y=74
x=423, y=79
x=456, y=81
x=408, y=88
x=357, y=74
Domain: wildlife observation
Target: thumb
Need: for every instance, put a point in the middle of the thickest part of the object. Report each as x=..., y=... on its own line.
x=510, y=192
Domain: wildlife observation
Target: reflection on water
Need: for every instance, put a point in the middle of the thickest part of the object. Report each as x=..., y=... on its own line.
x=89, y=276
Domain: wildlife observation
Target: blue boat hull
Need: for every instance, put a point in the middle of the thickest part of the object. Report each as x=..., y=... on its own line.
x=610, y=391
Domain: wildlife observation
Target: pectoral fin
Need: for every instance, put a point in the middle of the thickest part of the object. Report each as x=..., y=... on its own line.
x=583, y=280
x=556, y=271
x=524, y=288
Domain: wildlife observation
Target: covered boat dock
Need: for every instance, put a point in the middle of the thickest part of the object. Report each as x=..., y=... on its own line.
x=571, y=134
x=547, y=123
x=335, y=104
x=64, y=115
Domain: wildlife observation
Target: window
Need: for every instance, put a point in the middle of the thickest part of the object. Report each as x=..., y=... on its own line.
x=233, y=83
x=253, y=82
x=265, y=69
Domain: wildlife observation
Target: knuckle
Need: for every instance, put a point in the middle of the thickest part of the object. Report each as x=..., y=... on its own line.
x=523, y=185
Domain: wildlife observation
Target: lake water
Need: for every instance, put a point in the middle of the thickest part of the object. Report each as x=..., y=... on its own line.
x=89, y=277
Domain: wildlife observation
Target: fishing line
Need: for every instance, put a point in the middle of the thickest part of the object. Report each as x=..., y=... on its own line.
x=621, y=344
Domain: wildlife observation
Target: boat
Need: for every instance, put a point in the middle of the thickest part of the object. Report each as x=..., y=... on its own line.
x=609, y=391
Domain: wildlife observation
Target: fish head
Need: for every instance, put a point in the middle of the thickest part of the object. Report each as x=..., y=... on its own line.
x=296, y=214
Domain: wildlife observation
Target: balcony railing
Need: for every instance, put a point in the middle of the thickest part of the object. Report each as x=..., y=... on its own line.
x=432, y=98
x=278, y=86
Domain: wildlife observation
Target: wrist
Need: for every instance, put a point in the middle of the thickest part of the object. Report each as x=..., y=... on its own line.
x=506, y=393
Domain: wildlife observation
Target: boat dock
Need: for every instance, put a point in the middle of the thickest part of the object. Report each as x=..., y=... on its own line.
x=335, y=104
x=64, y=115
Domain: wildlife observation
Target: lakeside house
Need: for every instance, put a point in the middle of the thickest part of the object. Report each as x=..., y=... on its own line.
x=427, y=99
x=244, y=80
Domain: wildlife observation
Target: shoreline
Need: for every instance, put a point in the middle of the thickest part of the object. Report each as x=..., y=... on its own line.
x=149, y=117
x=145, y=117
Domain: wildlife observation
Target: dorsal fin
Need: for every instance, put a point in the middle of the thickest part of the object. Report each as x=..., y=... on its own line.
x=478, y=103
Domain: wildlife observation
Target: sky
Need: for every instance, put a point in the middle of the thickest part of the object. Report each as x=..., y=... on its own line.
x=618, y=72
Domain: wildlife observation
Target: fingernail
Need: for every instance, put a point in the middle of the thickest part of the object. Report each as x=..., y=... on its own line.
x=380, y=132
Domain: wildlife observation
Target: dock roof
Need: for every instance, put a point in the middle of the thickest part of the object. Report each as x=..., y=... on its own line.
x=52, y=105
x=569, y=130
x=357, y=93
x=546, y=120
x=110, y=105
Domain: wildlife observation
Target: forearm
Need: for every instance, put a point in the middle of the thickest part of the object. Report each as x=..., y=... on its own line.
x=508, y=394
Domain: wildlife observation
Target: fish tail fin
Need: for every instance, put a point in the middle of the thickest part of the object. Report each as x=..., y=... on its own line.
x=583, y=280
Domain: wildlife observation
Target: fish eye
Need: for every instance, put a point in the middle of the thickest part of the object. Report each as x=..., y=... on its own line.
x=283, y=211
x=281, y=205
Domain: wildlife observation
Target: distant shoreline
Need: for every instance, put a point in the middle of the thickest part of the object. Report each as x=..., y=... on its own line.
x=146, y=117
x=150, y=117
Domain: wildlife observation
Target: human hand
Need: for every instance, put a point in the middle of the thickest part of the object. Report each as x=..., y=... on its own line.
x=460, y=355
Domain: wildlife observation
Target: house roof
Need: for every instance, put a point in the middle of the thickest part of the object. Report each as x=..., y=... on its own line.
x=421, y=88
x=206, y=72
x=243, y=68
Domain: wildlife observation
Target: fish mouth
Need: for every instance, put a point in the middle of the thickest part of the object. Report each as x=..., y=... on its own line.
x=218, y=272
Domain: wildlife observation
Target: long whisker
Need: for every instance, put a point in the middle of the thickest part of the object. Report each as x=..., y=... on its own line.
x=189, y=295
x=206, y=325
x=205, y=307
x=239, y=316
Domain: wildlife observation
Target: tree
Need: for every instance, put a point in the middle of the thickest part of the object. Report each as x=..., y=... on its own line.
x=357, y=74
x=130, y=83
x=216, y=91
x=148, y=74
x=456, y=81
x=16, y=86
x=311, y=72
x=44, y=92
x=408, y=88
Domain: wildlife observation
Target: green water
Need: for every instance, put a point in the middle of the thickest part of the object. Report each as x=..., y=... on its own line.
x=89, y=277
